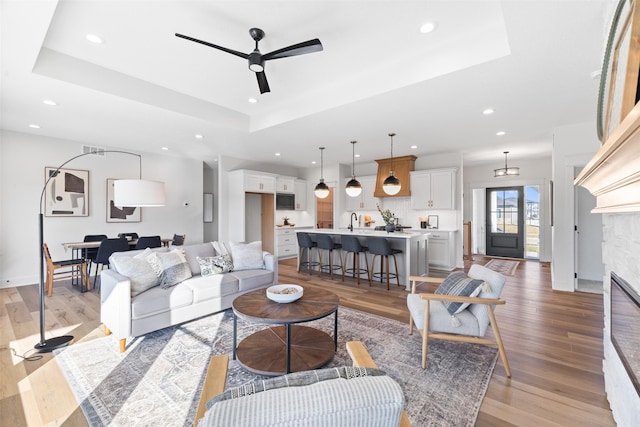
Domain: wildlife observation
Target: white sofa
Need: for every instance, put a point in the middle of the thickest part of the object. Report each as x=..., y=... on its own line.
x=157, y=308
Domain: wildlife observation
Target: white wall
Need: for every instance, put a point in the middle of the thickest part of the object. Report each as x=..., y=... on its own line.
x=532, y=172
x=23, y=158
x=573, y=146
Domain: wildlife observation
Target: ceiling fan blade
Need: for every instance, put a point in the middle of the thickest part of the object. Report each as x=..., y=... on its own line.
x=215, y=46
x=309, y=46
x=262, y=82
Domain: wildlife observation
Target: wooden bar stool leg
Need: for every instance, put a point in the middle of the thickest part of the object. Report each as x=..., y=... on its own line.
x=386, y=258
x=395, y=262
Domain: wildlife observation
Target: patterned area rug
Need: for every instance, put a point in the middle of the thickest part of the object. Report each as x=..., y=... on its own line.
x=158, y=379
x=503, y=266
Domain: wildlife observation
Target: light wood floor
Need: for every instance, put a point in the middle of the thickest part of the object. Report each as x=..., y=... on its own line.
x=553, y=341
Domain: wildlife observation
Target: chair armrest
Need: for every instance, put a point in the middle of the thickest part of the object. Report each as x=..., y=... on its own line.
x=460, y=298
x=214, y=382
x=424, y=279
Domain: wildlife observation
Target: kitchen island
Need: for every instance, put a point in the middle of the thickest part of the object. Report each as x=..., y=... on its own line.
x=413, y=261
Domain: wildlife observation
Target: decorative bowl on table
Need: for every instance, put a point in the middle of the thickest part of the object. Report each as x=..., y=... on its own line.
x=284, y=293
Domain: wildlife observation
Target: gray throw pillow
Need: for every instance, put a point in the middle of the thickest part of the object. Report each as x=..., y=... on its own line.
x=247, y=256
x=138, y=270
x=457, y=283
x=215, y=265
x=171, y=267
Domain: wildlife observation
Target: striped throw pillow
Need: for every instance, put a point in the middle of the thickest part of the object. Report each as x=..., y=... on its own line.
x=457, y=283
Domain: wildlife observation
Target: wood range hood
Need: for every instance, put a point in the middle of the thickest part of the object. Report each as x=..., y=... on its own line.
x=401, y=168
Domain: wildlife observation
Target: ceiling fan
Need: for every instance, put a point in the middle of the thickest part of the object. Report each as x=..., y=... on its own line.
x=256, y=59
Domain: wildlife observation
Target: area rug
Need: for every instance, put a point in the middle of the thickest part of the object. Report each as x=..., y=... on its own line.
x=157, y=380
x=503, y=266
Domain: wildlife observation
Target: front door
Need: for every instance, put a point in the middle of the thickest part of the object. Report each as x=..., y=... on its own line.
x=505, y=222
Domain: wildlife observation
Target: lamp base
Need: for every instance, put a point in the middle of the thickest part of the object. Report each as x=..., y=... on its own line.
x=53, y=343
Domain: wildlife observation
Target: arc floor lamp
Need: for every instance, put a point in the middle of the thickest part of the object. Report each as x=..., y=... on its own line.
x=126, y=192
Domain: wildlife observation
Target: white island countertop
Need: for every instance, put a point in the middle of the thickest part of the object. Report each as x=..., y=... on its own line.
x=362, y=232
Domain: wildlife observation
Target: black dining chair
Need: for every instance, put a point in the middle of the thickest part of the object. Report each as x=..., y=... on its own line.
x=107, y=247
x=178, y=239
x=91, y=253
x=148, y=242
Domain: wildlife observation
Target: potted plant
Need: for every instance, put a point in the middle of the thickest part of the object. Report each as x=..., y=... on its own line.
x=286, y=220
x=388, y=218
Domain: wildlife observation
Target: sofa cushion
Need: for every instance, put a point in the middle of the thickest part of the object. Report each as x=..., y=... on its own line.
x=138, y=270
x=158, y=300
x=171, y=267
x=439, y=319
x=458, y=284
x=252, y=279
x=215, y=265
x=191, y=252
x=209, y=287
x=247, y=256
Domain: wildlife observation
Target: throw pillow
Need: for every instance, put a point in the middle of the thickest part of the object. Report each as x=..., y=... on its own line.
x=221, y=248
x=247, y=256
x=215, y=265
x=171, y=267
x=296, y=379
x=457, y=283
x=140, y=273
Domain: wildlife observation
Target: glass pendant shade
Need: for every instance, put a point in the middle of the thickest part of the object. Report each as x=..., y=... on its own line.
x=322, y=190
x=353, y=187
x=506, y=170
x=391, y=185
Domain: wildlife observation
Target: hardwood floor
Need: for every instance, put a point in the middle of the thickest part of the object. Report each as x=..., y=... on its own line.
x=553, y=341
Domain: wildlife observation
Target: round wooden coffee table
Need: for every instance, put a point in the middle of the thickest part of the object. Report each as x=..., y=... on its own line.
x=289, y=347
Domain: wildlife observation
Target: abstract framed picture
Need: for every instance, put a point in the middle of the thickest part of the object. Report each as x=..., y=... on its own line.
x=67, y=193
x=120, y=213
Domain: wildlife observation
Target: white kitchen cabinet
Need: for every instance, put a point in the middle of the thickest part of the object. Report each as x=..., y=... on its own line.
x=366, y=200
x=285, y=184
x=259, y=183
x=300, y=188
x=287, y=243
x=442, y=250
x=433, y=189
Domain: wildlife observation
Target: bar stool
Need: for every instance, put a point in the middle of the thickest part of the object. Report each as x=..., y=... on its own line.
x=379, y=246
x=351, y=244
x=305, y=242
x=326, y=243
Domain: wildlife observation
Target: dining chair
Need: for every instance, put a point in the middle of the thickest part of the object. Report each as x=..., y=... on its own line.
x=107, y=247
x=148, y=242
x=91, y=253
x=178, y=239
x=72, y=268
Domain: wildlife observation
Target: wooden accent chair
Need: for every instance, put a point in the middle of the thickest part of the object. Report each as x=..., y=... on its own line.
x=216, y=376
x=432, y=319
x=72, y=268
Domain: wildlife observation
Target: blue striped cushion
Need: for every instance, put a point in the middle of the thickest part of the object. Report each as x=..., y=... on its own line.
x=457, y=283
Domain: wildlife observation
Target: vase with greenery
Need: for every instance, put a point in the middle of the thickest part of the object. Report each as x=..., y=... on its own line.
x=286, y=220
x=388, y=217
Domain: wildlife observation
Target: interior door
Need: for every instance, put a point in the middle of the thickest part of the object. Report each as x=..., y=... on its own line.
x=505, y=222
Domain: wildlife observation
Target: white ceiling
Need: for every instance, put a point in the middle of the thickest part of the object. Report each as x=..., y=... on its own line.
x=144, y=88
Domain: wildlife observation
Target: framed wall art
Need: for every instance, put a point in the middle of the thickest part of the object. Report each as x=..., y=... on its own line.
x=67, y=193
x=120, y=213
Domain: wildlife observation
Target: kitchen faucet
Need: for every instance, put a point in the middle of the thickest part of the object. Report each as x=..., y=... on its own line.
x=350, y=227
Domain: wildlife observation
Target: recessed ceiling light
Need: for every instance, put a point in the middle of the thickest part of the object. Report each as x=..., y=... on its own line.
x=199, y=136
x=277, y=154
x=34, y=126
x=165, y=148
x=357, y=155
x=50, y=102
x=253, y=100
x=427, y=27
x=488, y=111
x=500, y=133
x=413, y=147
x=313, y=162
x=94, y=38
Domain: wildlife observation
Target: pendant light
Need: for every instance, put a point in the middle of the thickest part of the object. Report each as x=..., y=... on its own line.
x=353, y=187
x=506, y=170
x=391, y=185
x=322, y=190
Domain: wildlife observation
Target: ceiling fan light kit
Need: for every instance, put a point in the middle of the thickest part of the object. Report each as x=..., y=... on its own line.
x=353, y=188
x=256, y=59
x=322, y=190
x=506, y=170
x=391, y=185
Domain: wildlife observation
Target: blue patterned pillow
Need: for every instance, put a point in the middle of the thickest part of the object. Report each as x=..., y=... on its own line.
x=215, y=265
x=457, y=283
x=171, y=267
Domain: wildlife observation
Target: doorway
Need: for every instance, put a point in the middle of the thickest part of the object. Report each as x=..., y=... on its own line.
x=505, y=222
x=324, y=211
x=589, y=268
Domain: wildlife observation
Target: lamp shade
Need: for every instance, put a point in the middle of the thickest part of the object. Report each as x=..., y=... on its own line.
x=391, y=185
x=353, y=187
x=322, y=190
x=138, y=192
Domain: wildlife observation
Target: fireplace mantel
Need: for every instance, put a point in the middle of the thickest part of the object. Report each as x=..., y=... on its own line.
x=613, y=174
